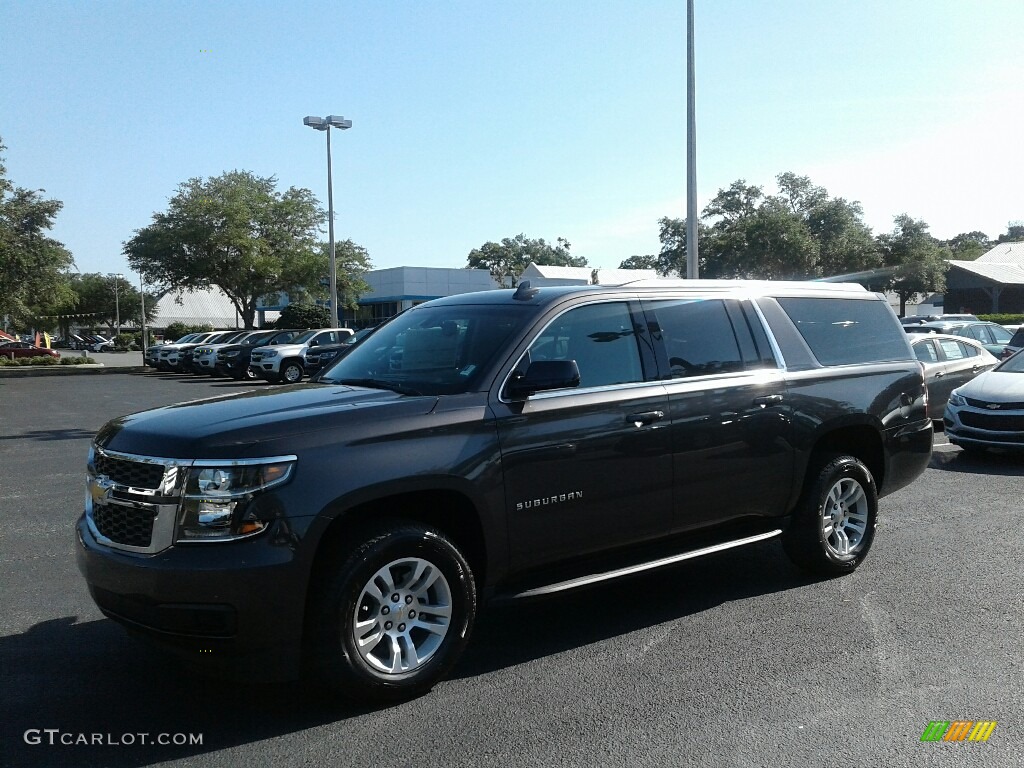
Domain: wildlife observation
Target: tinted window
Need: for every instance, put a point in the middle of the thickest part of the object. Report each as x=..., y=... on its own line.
x=700, y=339
x=953, y=350
x=601, y=338
x=1000, y=334
x=842, y=331
x=926, y=352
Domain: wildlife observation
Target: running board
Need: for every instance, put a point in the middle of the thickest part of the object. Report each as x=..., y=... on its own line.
x=596, y=578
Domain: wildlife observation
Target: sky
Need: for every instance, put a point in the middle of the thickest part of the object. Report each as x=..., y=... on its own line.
x=477, y=120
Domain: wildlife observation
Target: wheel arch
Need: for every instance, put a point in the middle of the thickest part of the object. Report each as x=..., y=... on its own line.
x=862, y=441
x=446, y=509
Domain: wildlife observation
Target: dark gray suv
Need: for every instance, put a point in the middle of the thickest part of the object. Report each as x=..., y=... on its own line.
x=504, y=444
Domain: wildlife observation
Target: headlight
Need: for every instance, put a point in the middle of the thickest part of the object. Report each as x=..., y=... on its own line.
x=957, y=399
x=219, y=502
x=270, y=353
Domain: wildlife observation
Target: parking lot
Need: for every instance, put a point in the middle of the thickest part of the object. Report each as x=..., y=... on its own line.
x=736, y=660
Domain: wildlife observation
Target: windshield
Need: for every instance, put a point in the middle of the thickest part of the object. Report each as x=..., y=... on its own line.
x=1013, y=364
x=305, y=336
x=439, y=350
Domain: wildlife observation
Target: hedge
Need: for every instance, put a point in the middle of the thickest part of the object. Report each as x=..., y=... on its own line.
x=1003, y=319
x=42, y=360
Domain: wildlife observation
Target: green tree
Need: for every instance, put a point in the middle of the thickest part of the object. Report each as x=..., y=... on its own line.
x=918, y=260
x=236, y=232
x=305, y=314
x=514, y=254
x=33, y=266
x=640, y=262
x=671, y=259
x=723, y=248
x=1014, y=233
x=175, y=331
x=94, y=301
x=967, y=246
x=352, y=262
x=798, y=233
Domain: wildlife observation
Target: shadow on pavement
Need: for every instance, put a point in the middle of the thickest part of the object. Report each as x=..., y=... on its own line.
x=978, y=462
x=92, y=678
x=73, y=433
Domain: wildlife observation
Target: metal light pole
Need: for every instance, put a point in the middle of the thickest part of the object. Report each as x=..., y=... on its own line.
x=691, y=152
x=325, y=124
x=142, y=299
x=117, y=303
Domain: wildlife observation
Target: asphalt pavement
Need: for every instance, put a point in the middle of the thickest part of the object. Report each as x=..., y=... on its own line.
x=735, y=660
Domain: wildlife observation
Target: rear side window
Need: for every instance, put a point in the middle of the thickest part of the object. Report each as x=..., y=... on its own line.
x=1000, y=334
x=953, y=350
x=700, y=337
x=844, y=331
x=926, y=352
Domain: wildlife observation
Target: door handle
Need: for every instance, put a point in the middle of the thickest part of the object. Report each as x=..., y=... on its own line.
x=647, y=417
x=768, y=400
x=939, y=374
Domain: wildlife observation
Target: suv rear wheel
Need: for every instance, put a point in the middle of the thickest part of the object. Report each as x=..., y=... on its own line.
x=394, y=615
x=833, y=525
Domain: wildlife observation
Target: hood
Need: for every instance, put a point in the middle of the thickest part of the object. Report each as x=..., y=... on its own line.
x=256, y=423
x=996, y=386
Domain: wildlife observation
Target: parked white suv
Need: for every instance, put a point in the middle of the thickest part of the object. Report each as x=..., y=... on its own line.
x=284, y=362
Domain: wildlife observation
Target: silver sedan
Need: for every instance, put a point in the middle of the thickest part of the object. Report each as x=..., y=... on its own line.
x=949, y=362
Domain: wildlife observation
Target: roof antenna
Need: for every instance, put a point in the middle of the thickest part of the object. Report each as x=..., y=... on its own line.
x=524, y=292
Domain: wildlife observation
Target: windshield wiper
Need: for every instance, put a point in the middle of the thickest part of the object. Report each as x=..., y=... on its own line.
x=376, y=384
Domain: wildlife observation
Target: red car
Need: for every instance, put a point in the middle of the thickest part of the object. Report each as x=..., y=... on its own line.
x=13, y=349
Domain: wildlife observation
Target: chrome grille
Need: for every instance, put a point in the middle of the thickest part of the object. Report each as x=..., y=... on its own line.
x=1002, y=406
x=135, y=474
x=125, y=525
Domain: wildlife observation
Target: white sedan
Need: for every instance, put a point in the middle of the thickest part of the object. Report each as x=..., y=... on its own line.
x=988, y=411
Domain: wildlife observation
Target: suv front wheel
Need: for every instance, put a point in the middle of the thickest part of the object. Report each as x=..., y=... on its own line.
x=834, y=522
x=394, y=616
x=291, y=372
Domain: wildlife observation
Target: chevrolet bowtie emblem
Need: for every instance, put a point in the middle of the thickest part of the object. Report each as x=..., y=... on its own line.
x=993, y=406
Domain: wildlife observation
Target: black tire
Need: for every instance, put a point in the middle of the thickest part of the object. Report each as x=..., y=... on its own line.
x=291, y=372
x=362, y=675
x=841, y=488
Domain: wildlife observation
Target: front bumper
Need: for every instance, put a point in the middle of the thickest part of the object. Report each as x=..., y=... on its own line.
x=977, y=427
x=237, y=607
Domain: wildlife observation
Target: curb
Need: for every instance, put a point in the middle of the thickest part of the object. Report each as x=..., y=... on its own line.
x=9, y=372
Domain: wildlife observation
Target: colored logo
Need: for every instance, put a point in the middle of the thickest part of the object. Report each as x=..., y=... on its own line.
x=958, y=730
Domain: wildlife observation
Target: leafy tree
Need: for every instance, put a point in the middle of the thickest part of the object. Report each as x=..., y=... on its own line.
x=94, y=301
x=352, y=262
x=514, y=254
x=1014, y=233
x=918, y=260
x=306, y=314
x=723, y=246
x=175, y=331
x=33, y=266
x=640, y=262
x=967, y=246
x=236, y=232
x=799, y=233
x=672, y=257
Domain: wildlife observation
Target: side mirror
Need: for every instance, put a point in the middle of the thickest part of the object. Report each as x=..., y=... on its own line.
x=543, y=375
